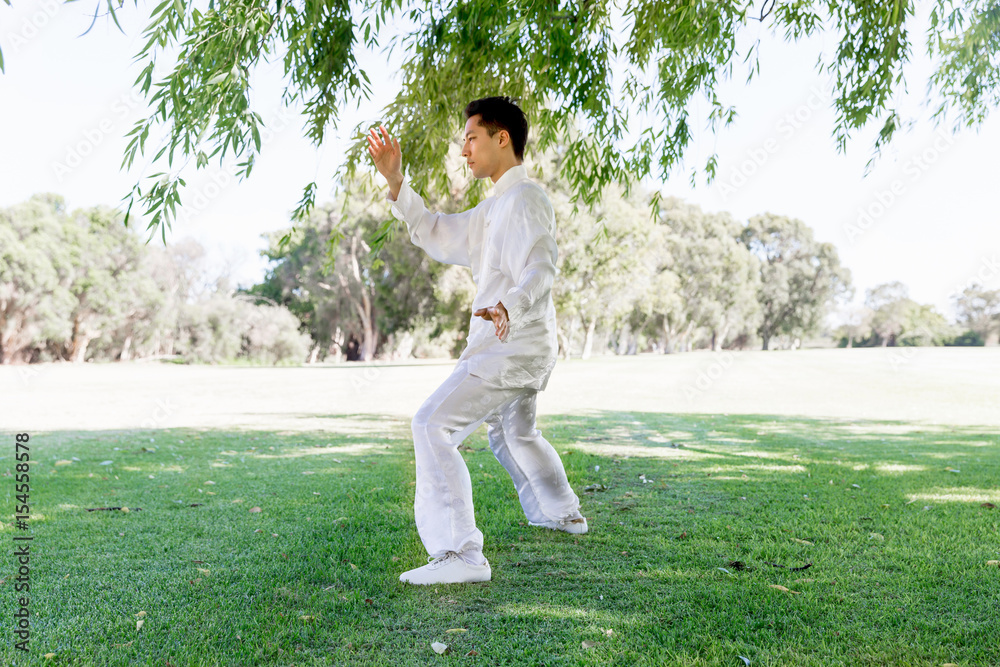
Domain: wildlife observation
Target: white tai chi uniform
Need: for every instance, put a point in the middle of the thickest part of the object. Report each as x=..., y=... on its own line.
x=508, y=240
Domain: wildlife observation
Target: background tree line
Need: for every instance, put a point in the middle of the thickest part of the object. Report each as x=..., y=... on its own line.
x=80, y=286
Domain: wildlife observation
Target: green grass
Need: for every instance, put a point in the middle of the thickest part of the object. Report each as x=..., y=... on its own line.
x=677, y=569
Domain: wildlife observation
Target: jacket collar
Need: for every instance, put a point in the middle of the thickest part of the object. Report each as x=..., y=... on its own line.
x=510, y=177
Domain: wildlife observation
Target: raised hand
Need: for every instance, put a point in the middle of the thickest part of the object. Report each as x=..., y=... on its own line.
x=386, y=156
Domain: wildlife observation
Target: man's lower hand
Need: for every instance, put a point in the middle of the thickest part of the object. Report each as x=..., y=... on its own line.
x=498, y=315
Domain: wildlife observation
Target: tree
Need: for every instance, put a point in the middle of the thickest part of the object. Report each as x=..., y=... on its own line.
x=718, y=277
x=979, y=310
x=890, y=305
x=80, y=286
x=857, y=323
x=332, y=282
x=602, y=272
x=799, y=278
x=896, y=319
x=66, y=279
x=557, y=57
x=105, y=276
x=35, y=300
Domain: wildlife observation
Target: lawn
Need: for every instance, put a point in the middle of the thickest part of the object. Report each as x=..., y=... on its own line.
x=715, y=540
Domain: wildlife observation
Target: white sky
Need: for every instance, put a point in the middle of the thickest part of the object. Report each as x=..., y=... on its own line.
x=66, y=102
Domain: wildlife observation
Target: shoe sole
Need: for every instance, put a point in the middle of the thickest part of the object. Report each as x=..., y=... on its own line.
x=564, y=529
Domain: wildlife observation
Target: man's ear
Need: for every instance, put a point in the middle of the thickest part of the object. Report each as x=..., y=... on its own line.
x=504, y=138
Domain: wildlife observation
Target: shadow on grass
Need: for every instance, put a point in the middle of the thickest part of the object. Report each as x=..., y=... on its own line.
x=700, y=517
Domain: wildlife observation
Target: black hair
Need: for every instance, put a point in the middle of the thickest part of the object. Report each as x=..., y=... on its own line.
x=501, y=113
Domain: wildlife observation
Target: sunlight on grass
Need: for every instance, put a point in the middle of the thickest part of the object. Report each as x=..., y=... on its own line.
x=897, y=468
x=740, y=467
x=359, y=448
x=668, y=436
x=961, y=494
x=664, y=453
x=762, y=454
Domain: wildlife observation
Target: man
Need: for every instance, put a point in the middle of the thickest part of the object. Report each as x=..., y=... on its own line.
x=508, y=241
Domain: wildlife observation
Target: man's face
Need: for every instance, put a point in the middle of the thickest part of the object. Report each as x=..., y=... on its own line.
x=480, y=150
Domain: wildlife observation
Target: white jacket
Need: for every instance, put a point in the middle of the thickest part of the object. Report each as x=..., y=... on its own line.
x=508, y=240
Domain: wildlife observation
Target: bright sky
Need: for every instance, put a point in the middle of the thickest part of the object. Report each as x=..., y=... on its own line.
x=925, y=215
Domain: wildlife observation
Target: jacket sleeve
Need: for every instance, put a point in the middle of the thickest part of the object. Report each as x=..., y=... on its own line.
x=444, y=237
x=529, y=259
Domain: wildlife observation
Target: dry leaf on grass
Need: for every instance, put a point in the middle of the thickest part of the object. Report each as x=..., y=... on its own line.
x=457, y=630
x=49, y=656
x=307, y=618
x=784, y=590
x=203, y=570
x=439, y=648
x=588, y=644
x=795, y=539
x=255, y=510
x=989, y=506
x=993, y=563
x=139, y=624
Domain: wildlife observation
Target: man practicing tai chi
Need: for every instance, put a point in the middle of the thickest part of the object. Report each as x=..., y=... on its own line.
x=508, y=241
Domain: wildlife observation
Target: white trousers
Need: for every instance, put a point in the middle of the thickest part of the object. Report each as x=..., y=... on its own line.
x=443, y=504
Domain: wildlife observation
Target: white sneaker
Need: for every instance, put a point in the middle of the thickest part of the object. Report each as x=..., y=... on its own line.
x=575, y=526
x=448, y=569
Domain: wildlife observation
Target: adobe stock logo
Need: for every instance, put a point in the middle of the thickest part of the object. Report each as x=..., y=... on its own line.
x=91, y=138
x=721, y=363
x=817, y=99
x=913, y=169
x=32, y=25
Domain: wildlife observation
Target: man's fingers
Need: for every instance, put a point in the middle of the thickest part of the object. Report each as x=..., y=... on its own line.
x=388, y=140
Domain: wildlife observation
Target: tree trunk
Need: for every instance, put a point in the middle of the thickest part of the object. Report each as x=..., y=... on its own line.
x=563, y=343
x=668, y=337
x=621, y=339
x=685, y=345
x=719, y=337
x=767, y=340
x=80, y=341
x=126, y=349
x=363, y=307
x=314, y=354
x=572, y=334
x=588, y=341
